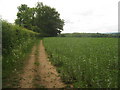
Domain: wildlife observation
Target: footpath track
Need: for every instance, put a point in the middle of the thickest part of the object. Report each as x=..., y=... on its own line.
x=39, y=72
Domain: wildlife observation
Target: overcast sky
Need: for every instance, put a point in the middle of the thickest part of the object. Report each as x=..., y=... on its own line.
x=79, y=15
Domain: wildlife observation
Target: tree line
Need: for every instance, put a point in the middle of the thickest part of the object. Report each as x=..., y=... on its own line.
x=41, y=18
x=115, y=35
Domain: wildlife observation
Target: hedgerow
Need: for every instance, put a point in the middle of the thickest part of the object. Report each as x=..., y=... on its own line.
x=16, y=44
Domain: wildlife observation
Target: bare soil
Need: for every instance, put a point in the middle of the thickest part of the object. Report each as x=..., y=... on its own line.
x=47, y=72
x=28, y=75
x=39, y=72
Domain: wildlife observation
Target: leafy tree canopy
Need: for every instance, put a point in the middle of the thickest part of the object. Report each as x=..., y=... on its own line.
x=42, y=19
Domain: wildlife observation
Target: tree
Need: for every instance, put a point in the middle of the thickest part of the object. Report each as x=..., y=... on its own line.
x=42, y=19
x=25, y=16
x=48, y=20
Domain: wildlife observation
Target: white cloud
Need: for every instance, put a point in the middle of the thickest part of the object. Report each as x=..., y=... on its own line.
x=79, y=15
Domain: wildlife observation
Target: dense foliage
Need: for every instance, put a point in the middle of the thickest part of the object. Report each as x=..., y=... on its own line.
x=85, y=62
x=25, y=17
x=16, y=43
x=41, y=19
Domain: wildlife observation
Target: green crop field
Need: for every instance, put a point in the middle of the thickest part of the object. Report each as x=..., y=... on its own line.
x=85, y=62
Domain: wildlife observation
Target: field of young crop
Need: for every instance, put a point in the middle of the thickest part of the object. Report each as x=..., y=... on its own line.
x=85, y=62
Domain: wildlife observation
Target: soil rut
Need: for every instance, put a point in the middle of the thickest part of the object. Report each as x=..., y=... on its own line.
x=48, y=73
x=28, y=75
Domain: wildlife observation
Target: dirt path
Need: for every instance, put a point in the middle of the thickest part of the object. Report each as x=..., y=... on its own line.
x=28, y=75
x=47, y=72
x=39, y=72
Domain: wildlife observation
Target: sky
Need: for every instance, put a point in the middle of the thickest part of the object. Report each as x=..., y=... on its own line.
x=86, y=16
